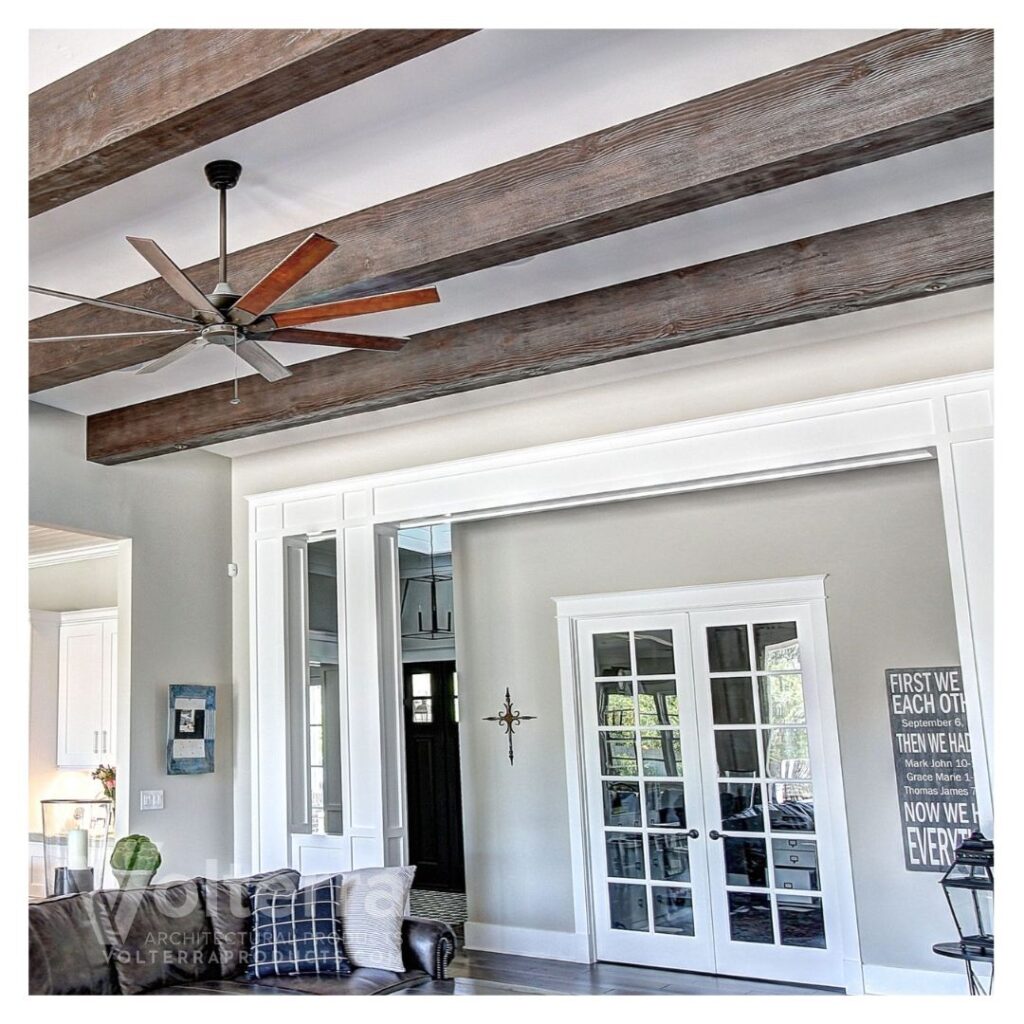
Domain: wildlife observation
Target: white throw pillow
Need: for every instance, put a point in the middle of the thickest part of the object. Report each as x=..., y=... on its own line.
x=373, y=905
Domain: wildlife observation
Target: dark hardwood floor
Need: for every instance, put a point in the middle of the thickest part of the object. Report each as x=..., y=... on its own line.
x=478, y=973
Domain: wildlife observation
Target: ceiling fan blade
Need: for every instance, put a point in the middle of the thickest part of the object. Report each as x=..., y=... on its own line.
x=351, y=307
x=172, y=357
x=302, y=336
x=173, y=275
x=115, y=334
x=260, y=359
x=295, y=266
x=107, y=304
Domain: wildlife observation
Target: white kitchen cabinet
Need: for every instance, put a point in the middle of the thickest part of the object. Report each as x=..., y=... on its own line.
x=87, y=688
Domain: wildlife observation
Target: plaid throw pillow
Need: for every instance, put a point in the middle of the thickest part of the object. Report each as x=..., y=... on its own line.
x=297, y=932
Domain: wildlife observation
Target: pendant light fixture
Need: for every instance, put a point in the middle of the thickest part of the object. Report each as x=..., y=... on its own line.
x=434, y=628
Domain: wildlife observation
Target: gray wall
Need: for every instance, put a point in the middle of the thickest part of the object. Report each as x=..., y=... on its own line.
x=73, y=586
x=879, y=536
x=176, y=510
x=911, y=341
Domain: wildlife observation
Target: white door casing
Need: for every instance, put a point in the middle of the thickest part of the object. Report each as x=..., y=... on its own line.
x=930, y=419
x=688, y=612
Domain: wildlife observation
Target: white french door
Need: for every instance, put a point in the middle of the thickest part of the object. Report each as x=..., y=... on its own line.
x=711, y=836
x=648, y=858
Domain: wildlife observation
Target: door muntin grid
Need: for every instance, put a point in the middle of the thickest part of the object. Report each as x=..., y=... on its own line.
x=768, y=844
x=642, y=764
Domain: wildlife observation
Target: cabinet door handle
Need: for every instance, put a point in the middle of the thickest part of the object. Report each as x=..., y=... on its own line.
x=104, y=741
x=96, y=741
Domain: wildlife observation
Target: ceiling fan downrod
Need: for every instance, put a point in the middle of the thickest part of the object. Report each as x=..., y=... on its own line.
x=222, y=175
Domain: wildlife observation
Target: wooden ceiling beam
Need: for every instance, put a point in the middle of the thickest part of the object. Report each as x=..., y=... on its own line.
x=909, y=256
x=887, y=96
x=174, y=90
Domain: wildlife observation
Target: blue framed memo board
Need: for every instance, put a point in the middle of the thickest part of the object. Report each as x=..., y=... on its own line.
x=191, y=727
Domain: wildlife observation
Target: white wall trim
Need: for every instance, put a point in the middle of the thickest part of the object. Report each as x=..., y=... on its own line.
x=886, y=425
x=707, y=595
x=891, y=396
x=905, y=981
x=548, y=945
x=106, y=550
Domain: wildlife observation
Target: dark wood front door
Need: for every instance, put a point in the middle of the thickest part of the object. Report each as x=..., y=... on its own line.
x=433, y=786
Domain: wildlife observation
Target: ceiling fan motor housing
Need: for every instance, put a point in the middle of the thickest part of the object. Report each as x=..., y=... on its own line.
x=223, y=174
x=223, y=296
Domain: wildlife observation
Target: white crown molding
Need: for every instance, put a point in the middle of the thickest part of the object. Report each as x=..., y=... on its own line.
x=74, y=554
x=88, y=615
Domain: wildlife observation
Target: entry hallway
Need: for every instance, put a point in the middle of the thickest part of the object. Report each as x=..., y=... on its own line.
x=497, y=974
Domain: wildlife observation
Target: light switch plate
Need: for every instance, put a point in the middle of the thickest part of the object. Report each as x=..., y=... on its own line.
x=151, y=800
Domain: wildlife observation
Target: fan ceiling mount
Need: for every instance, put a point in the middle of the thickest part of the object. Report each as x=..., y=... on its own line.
x=241, y=321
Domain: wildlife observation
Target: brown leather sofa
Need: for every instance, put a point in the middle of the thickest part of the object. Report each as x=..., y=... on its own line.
x=162, y=941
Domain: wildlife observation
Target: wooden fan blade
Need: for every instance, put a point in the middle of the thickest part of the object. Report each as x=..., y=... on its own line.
x=302, y=336
x=115, y=334
x=171, y=357
x=260, y=359
x=173, y=275
x=107, y=304
x=295, y=266
x=351, y=307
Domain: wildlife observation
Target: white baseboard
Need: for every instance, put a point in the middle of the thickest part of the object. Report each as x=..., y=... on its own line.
x=573, y=947
x=906, y=981
x=496, y=938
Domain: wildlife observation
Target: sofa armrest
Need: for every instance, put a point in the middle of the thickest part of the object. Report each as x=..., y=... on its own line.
x=427, y=945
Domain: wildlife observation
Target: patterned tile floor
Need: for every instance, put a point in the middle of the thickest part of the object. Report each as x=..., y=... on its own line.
x=449, y=907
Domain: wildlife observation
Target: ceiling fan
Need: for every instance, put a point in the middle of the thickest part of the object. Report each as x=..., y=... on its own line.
x=242, y=322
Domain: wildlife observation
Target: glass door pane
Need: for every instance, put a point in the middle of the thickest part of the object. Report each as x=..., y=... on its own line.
x=768, y=883
x=644, y=778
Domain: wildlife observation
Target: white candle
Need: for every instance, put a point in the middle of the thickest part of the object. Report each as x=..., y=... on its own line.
x=78, y=849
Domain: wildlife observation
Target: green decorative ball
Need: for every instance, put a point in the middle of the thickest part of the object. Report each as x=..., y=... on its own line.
x=135, y=853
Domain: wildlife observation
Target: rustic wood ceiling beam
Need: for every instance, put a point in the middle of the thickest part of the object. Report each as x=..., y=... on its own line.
x=909, y=256
x=887, y=96
x=174, y=90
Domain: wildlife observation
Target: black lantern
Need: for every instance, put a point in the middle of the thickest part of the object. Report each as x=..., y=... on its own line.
x=436, y=628
x=969, y=886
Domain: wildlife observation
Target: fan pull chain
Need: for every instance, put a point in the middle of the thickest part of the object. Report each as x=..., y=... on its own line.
x=234, y=397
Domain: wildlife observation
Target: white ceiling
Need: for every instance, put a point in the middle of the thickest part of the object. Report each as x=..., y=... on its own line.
x=485, y=99
x=54, y=53
x=45, y=540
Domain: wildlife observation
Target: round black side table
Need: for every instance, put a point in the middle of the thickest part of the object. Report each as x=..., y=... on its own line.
x=955, y=951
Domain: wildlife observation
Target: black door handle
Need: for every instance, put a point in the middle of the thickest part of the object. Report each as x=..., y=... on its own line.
x=693, y=834
x=715, y=834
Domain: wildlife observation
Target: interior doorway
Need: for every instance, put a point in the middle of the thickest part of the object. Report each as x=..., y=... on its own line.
x=79, y=728
x=433, y=785
x=432, y=775
x=714, y=808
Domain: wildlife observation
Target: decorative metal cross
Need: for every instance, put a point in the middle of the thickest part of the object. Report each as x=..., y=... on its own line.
x=510, y=719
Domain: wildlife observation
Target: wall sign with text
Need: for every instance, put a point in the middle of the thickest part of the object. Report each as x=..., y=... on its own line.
x=934, y=770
